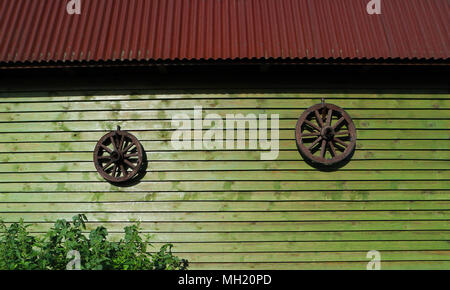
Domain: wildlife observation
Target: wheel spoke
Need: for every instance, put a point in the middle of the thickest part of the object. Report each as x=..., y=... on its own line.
x=329, y=116
x=333, y=150
x=340, y=142
x=107, y=164
x=338, y=146
x=128, y=147
x=129, y=164
x=104, y=157
x=310, y=134
x=319, y=119
x=120, y=143
x=322, y=148
x=106, y=148
x=113, y=172
x=125, y=144
x=113, y=142
x=324, y=113
x=312, y=125
x=315, y=143
x=123, y=170
x=338, y=123
x=131, y=155
x=342, y=133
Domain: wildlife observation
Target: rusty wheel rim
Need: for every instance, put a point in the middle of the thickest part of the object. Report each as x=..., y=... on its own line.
x=325, y=134
x=118, y=156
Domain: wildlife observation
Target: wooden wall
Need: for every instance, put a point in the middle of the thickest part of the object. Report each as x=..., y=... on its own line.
x=228, y=209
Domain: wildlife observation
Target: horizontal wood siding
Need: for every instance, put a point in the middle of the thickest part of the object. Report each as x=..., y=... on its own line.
x=227, y=209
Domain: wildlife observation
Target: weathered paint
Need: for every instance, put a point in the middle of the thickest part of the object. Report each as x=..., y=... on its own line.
x=228, y=209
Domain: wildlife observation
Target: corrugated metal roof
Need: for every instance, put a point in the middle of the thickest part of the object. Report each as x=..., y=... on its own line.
x=42, y=31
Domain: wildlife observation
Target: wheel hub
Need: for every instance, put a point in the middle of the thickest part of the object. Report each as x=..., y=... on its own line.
x=116, y=156
x=328, y=133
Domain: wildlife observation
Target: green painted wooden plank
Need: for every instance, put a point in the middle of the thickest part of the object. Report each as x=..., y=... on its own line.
x=147, y=114
x=262, y=227
x=314, y=257
x=156, y=166
x=167, y=145
x=229, y=155
x=308, y=246
x=400, y=265
x=232, y=216
x=189, y=206
x=111, y=196
x=288, y=236
x=146, y=94
x=235, y=176
x=363, y=134
x=302, y=236
x=230, y=185
x=292, y=236
x=158, y=125
x=223, y=103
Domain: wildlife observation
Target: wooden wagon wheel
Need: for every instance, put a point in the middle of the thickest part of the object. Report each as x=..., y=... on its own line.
x=118, y=156
x=325, y=134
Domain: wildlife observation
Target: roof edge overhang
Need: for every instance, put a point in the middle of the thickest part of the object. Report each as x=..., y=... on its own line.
x=224, y=62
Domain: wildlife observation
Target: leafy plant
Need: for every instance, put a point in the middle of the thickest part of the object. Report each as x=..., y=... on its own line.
x=19, y=250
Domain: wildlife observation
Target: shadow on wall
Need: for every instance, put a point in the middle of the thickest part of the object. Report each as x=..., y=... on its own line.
x=328, y=168
x=137, y=178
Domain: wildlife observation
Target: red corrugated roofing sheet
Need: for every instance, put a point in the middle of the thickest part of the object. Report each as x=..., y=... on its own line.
x=42, y=31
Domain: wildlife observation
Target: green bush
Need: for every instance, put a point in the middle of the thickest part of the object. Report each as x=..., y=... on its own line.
x=19, y=250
